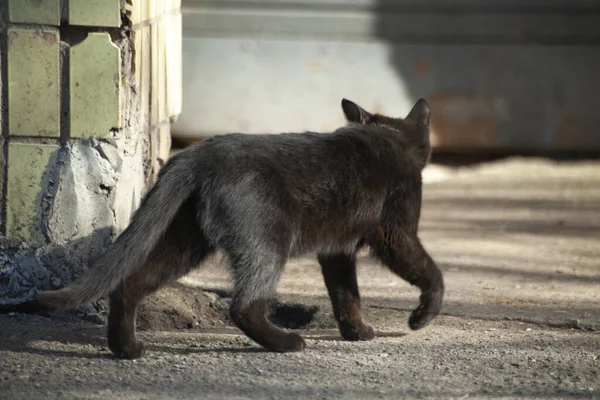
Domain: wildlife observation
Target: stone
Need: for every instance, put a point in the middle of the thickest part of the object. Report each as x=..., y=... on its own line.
x=45, y=12
x=31, y=172
x=95, y=13
x=82, y=202
x=95, y=87
x=19, y=273
x=33, y=82
x=110, y=153
x=131, y=184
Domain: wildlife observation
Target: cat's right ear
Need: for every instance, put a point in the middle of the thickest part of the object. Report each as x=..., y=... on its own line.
x=355, y=113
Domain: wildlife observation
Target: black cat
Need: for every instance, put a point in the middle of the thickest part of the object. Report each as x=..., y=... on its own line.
x=263, y=199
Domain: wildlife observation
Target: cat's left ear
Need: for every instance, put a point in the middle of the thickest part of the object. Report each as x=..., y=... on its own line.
x=355, y=113
x=420, y=113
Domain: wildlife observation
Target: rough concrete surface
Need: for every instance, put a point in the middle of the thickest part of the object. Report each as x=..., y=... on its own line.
x=519, y=244
x=92, y=191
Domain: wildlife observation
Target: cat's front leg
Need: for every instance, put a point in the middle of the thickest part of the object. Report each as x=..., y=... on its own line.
x=339, y=272
x=404, y=254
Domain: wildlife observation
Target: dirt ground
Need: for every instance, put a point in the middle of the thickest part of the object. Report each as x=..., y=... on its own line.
x=518, y=241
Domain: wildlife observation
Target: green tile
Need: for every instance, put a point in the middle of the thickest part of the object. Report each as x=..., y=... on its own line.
x=45, y=12
x=33, y=82
x=95, y=86
x=95, y=12
x=27, y=178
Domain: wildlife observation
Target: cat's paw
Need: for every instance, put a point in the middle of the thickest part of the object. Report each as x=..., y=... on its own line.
x=363, y=332
x=420, y=318
x=289, y=342
x=133, y=350
x=429, y=307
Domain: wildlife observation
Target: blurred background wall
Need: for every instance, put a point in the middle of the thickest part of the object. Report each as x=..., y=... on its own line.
x=500, y=75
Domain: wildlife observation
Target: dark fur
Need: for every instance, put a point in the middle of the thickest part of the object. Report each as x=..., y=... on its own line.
x=263, y=199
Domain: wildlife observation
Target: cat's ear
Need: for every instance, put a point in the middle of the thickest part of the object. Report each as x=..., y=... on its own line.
x=355, y=113
x=420, y=113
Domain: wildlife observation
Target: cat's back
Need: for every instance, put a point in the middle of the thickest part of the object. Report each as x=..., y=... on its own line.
x=237, y=149
x=348, y=149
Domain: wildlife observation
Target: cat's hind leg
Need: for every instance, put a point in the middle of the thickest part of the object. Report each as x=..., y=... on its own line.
x=339, y=271
x=256, y=277
x=182, y=249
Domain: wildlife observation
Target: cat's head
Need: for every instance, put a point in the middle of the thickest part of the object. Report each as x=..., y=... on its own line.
x=414, y=128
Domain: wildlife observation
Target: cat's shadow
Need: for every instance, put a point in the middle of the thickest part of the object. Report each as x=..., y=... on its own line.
x=98, y=343
x=88, y=341
x=333, y=335
x=44, y=333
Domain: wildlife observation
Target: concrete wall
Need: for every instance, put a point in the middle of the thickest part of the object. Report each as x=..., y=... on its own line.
x=499, y=74
x=88, y=92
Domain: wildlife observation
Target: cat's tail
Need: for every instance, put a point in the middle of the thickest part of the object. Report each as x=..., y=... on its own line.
x=131, y=249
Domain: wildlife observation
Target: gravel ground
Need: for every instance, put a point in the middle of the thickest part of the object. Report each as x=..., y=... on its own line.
x=519, y=243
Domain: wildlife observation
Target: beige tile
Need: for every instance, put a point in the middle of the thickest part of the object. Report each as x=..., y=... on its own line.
x=161, y=87
x=164, y=144
x=137, y=38
x=154, y=150
x=135, y=11
x=152, y=8
x=145, y=70
x=155, y=72
x=174, y=66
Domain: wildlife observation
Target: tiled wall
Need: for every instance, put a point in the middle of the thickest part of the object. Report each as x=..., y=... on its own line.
x=88, y=90
x=36, y=54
